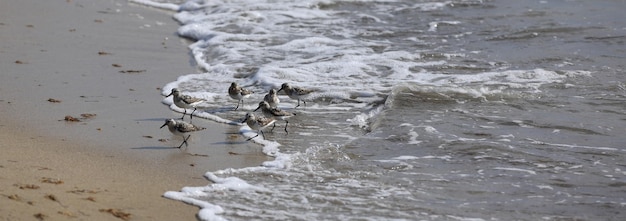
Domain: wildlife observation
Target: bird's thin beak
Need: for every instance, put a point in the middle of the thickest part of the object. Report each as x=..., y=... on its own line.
x=163, y=125
x=244, y=120
x=169, y=94
x=256, y=109
x=279, y=90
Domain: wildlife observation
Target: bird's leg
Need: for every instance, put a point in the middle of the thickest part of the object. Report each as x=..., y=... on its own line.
x=286, y=127
x=183, y=118
x=184, y=141
x=273, y=127
x=237, y=105
x=252, y=137
x=191, y=115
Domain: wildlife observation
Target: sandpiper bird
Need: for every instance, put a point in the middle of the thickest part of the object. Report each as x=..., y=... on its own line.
x=295, y=93
x=181, y=128
x=257, y=123
x=238, y=93
x=272, y=98
x=275, y=113
x=185, y=101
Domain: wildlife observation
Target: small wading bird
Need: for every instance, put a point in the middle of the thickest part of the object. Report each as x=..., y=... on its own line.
x=257, y=123
x=296, y=93
x=272, y=98
x=185, y=101
x=275, y=113
x=238, y=93
x=181, y=128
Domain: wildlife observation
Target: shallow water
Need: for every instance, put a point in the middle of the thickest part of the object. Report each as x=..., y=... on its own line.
x=426, y=110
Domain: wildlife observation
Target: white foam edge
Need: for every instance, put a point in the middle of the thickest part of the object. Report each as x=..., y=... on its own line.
x=187, y=5
x=207, y=211
x=270, y=148
x=408, y=158
x=210, y=211
x=516, y=169
x=166, y=90
x=574, y=146
x=166, y=6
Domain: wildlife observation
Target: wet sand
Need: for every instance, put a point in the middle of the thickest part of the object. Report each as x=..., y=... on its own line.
x=103, y=63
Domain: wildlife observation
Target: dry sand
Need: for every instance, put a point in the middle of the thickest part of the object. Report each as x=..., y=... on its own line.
x=106, y=59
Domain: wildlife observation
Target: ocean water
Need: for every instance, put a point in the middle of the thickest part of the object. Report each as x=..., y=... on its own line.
x=424, y=110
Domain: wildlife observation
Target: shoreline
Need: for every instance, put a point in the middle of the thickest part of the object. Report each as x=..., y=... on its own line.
x=104, y=60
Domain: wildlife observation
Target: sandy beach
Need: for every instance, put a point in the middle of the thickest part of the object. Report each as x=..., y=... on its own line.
x=101, y=63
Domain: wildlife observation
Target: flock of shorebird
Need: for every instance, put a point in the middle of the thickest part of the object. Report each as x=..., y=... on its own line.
x=269, y=108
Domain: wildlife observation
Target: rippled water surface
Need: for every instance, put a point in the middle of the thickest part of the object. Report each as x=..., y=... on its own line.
x=426, y=110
